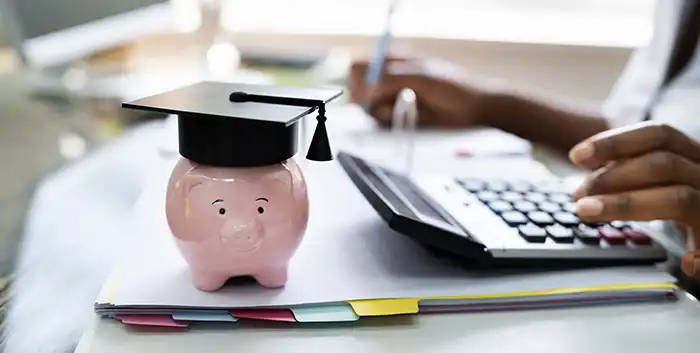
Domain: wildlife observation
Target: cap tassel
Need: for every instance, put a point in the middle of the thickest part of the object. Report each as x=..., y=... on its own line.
x=320, y=147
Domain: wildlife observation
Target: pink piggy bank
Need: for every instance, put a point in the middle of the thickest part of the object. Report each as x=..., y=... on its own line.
x=230, y=222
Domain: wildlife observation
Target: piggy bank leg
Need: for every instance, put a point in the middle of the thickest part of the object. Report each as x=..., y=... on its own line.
x=208, y=281
x=272, y=277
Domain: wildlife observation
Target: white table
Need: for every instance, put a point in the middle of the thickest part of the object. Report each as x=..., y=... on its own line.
x=668, y=327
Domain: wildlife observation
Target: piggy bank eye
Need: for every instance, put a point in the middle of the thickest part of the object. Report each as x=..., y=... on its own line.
x=222, y=211
x=261, y=210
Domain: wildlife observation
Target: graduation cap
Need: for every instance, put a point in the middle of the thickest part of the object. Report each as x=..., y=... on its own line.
x=243, y=125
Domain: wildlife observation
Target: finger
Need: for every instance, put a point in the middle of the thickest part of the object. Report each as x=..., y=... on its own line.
x=357, y=78
x=357, y=86
x=632, y=141
x=384, y=95
x=654, y=169
x=359, y=68
x=690, y=263
x=678, y=203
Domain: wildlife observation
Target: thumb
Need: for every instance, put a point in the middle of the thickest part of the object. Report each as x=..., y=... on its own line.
x=690, y=263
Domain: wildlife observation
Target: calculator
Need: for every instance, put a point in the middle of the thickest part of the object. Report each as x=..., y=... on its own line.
x=504, y=222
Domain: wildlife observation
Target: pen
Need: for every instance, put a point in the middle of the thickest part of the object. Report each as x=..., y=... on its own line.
x=381, y=51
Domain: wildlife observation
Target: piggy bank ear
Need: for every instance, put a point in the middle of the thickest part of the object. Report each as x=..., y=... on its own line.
x=189, y=181
x=178, y=210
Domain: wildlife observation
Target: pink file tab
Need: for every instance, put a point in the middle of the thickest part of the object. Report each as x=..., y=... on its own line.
x=269, y=315
x=151, y=320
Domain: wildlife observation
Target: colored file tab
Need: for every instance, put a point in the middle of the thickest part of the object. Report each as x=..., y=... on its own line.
x=325, y=313
x=269, y=315
x=593, y=289
x=152, y=320
x=204, y=316
x=385, y=307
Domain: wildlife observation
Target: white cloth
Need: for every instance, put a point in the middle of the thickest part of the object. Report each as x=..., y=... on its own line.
x=638, y=88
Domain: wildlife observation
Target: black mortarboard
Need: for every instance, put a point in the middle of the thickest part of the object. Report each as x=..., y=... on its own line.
x=243, y=125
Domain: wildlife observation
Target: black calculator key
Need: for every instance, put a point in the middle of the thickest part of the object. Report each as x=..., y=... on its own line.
x=533, y=233
x=587, y=234
x=472, y=185
x=612, y=235
x=520, y=186
x=566, y=219
x=487, y=196
x=560, y=234
x=569, y=207
x=541, y=218
x=525, y=206
x=549, y=207
x=559, y=198
x=497, y=186
x=595, y=224
x=499, y=206
x=535, y=197
x=511, y=196
x=514, y=218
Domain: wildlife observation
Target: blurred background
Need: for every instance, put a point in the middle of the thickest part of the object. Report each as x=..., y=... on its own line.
x=65, y=65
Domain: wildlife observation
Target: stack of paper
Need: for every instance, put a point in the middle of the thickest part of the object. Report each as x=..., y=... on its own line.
x=349, y=265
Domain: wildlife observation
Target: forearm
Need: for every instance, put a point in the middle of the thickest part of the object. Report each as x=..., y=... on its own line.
x=557, y=127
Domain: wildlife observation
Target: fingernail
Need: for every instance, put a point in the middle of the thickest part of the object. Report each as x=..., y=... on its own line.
x=582, y=190
x=589, y=206
x=581, y=152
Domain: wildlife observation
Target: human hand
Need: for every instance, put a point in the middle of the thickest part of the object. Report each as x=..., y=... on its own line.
x=649, y=172
x=443, y=99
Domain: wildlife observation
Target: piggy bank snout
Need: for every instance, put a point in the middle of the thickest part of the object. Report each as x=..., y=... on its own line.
x=242, y=233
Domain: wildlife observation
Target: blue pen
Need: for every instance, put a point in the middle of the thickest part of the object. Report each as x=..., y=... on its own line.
x=381, y=51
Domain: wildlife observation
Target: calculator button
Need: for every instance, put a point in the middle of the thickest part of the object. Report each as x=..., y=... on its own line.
x=619, y=224
x=511, y=196
x=559, y=198
x=560, y=234
x=520, y=186
x=566, y=219
x=541, y=218
x=497, y=186
x=595, y=224
x=533, y=233
x=612, y=235
x=487, y=196
x=514, y=218
x=549, y=207
x=525, y=206
x=636, y=236
x=569, y=207
x=535, y=197
x=549, y=187
x=500, y=206
x=587, y=234
x=472, y=185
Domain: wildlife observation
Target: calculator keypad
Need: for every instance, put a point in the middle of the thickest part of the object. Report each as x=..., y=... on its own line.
x=543, y=212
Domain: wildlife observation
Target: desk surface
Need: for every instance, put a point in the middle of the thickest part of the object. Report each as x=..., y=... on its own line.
x=670, y=327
